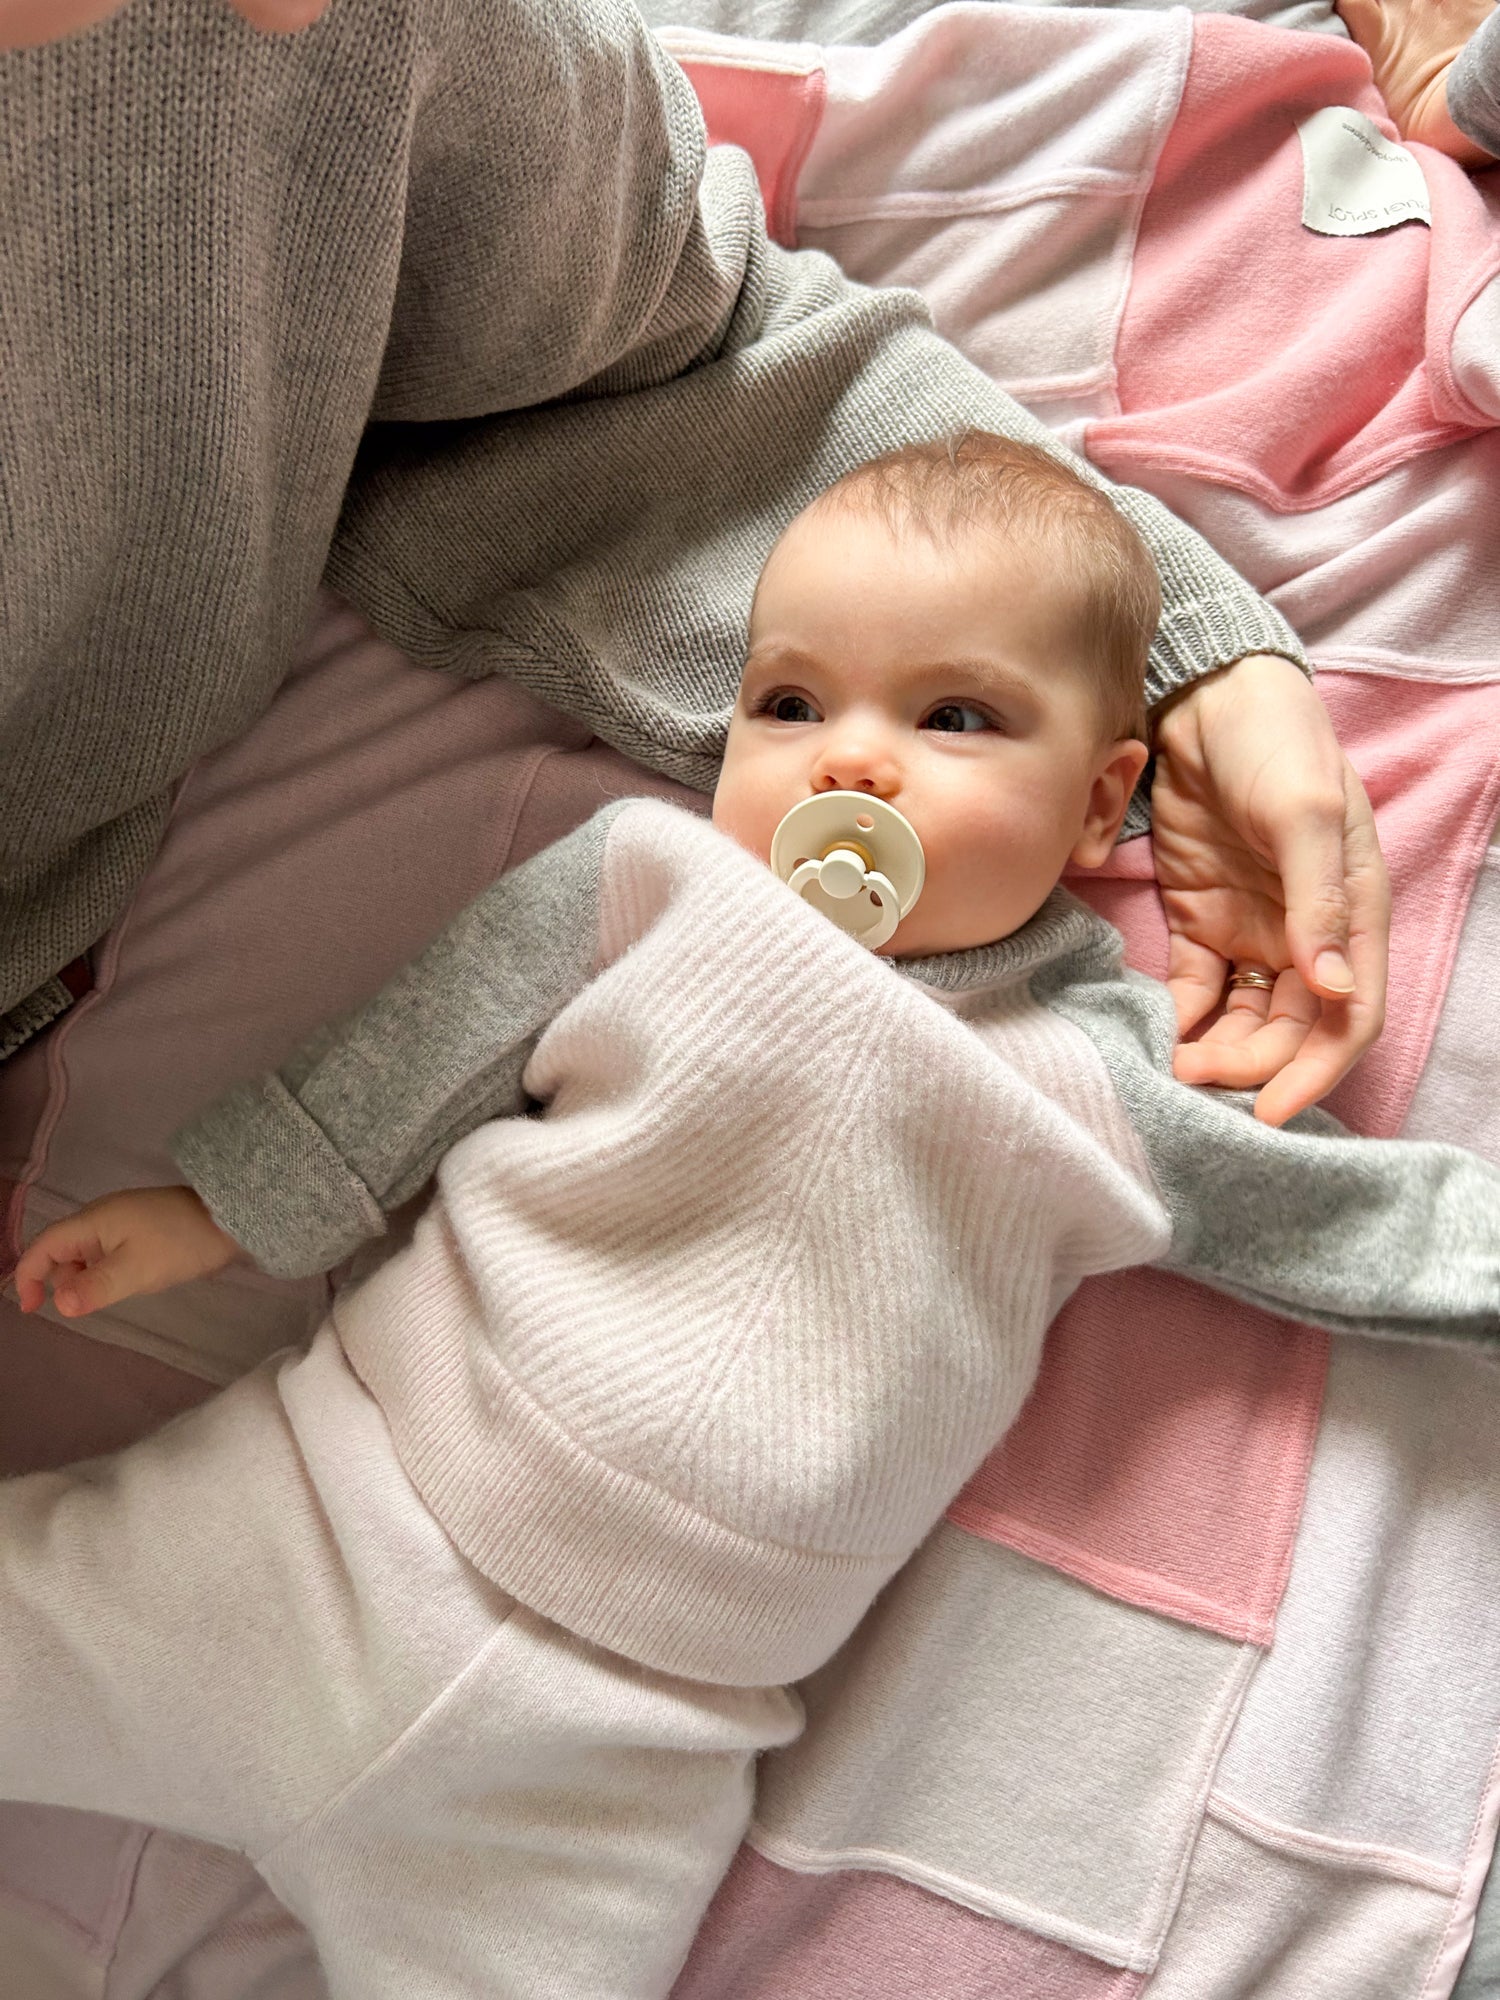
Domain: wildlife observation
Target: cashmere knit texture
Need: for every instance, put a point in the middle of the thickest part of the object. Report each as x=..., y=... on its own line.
x=240, y=274
x=691, y=1362
x=1474, y=88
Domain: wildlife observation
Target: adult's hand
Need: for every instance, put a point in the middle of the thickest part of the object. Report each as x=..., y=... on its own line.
x=1412, y=45
x=1266, y=857
x=24, y=24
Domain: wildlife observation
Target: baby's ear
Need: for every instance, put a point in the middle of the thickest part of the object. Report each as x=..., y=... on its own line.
x=1116, y=770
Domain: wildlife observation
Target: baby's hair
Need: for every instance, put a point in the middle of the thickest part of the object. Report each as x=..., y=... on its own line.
x=951, y=487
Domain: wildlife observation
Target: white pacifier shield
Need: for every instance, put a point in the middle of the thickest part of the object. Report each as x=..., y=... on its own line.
x=853, y=857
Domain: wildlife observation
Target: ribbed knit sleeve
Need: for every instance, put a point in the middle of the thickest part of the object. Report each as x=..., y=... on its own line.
x=222, y=253
x=303, y=1167
x=1474, y=88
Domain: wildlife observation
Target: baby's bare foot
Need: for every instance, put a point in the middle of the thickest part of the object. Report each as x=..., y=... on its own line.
x=1412, y=45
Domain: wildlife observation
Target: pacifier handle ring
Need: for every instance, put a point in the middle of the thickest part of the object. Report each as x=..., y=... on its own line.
x=839, y=850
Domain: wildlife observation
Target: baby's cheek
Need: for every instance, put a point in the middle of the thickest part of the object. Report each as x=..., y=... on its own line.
x=746, y=818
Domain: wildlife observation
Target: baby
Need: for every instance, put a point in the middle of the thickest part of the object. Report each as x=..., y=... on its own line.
x=468, y=1624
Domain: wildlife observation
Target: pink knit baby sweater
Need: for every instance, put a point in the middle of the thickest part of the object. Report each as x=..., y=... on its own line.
x=691, y=1363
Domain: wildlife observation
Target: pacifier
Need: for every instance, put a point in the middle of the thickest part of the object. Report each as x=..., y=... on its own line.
x=854, y=858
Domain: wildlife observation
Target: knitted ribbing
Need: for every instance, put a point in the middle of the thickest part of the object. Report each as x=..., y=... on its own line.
x=221, y=253
x=693, y=1362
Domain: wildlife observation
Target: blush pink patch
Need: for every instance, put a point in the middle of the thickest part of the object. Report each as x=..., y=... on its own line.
x=1163, y=1455
x=775, y=1935
x=1256, y=353
x=77, y=1869
x=774, y=115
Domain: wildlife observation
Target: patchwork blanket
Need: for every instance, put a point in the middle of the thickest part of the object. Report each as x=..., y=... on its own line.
x=1193, y=1693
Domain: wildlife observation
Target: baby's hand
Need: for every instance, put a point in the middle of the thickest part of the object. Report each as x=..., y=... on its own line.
x=145, y=1240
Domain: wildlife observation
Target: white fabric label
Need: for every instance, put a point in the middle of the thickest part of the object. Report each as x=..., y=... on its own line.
x=1355, y=181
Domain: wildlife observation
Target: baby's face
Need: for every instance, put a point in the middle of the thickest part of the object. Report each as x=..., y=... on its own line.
x=945, y=681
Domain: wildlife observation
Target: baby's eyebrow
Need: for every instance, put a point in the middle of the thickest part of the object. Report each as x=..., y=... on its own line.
x=985, y=676
x=769, y=653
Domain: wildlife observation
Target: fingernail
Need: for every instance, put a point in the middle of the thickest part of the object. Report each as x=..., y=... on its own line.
x=1334, y=971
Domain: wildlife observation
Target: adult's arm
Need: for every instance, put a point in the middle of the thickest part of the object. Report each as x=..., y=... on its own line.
x=222, y=253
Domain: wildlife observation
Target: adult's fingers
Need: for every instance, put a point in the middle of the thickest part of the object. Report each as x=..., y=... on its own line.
x=1195, y=979
x=1308, y=848
x=26, y=24
x=1345, y=1028
x=1257, y=1036
x=1320, y=1063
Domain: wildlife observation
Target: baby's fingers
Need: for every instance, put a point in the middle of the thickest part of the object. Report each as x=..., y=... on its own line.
x=79, y=1289
x=58, y=1256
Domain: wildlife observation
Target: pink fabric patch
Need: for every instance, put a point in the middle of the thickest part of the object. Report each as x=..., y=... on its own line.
x=1255, y=353
x=1429, y=756
x=93, y=1859
x=1163, y=1455
x=774, y=115
x=775, y=1935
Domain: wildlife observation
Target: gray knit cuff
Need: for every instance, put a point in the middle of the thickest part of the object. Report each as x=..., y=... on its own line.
x=1474, y=88
x=1201, y=630
x=1220, y=630
x=269, y=1175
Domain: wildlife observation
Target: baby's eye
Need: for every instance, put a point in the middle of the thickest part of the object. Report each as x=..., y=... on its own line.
x=958, y=718
x=788, y=708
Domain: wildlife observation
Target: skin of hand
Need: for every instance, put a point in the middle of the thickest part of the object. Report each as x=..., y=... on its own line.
x=1266, y=853
x=1412, y=45
x=26, y=24
x=144, y=1240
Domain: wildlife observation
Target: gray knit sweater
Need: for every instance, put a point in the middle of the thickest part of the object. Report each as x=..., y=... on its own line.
x=305, y=1166
x=1474, y=88
x=597, y=394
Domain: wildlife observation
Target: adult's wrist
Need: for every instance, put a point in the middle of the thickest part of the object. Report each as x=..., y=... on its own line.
x=1273, y=671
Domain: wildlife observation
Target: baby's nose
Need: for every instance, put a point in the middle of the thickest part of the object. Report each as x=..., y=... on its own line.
x=858, y=764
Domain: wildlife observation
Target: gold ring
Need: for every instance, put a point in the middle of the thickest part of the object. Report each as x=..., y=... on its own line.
x=1255, y=976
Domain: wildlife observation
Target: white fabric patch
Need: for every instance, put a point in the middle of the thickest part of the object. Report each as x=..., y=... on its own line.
x=1355, y=181
x=1007, y=1738
x=1476, y=351
x=1373, y=1718
x=1287, y=1927
x=998, y=158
